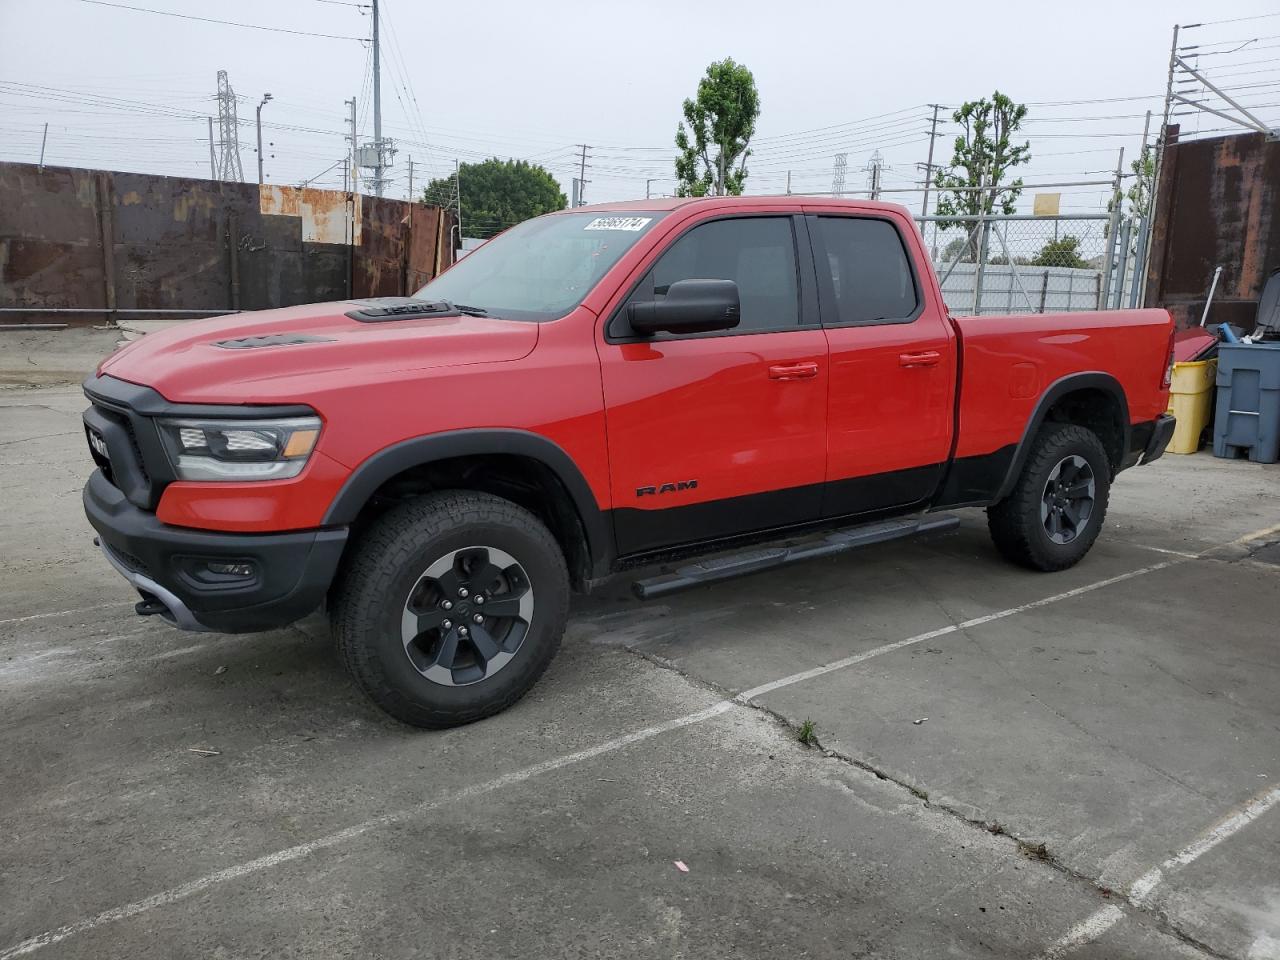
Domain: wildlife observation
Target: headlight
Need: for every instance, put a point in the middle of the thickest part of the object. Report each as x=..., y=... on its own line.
x=239, y=449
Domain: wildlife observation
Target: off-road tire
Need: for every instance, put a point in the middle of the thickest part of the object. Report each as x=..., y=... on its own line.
x=369, y=601
x=1016, y=523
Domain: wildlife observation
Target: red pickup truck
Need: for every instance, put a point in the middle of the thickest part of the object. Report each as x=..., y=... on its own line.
x=595, y=390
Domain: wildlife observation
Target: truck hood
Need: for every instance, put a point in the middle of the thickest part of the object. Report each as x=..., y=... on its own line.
x=278, y=356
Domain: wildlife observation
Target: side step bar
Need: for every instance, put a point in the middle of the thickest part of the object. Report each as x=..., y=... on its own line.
x=753, y=561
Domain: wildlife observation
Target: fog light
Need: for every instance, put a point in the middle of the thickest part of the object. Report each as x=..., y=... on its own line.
x=230, y=569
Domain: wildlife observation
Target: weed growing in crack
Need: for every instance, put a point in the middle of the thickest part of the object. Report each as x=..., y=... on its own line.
x=808, y=733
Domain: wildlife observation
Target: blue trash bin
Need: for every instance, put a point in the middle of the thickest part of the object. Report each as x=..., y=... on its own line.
x=1247, y=418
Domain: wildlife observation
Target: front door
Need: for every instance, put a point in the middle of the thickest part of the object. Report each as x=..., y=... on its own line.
x=714, y=435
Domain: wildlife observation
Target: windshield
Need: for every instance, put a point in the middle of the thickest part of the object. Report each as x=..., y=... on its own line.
x=542, y=268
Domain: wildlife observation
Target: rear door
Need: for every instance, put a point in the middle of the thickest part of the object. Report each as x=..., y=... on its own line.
x=716, y=434
x=891, y=393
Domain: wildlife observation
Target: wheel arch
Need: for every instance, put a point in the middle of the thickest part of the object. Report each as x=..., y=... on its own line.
x=1093, y=399
x=564, y=500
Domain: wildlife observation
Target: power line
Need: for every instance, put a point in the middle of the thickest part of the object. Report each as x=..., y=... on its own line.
x=1224, y=43
x=1216, y=23
x=225, y=23
x=847, y=123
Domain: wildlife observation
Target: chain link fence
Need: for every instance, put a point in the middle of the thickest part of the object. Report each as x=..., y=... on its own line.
x=1030, y=264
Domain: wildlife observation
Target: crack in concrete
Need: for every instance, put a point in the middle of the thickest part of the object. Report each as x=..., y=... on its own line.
x=42, y=436
x=1031, y=849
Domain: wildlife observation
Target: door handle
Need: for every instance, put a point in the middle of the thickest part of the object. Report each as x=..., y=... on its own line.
x=926, y=358
x=793, y=371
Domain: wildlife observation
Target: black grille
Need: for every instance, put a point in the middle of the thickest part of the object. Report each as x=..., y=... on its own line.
x=129, y=561
x=129, y=466
x=137, y=450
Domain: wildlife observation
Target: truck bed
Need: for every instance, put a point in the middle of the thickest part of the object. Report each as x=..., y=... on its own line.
x=1029, y=352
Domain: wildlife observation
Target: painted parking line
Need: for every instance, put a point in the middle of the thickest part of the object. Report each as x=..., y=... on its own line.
x=1256, y=535
x=194, y=887
x=62, y=613
x=1102, y=920
x=748, y=695
x=1184, y=554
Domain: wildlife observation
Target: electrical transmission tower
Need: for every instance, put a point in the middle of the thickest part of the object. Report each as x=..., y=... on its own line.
x=875, y=171
x=837, y=174
x=228, y=161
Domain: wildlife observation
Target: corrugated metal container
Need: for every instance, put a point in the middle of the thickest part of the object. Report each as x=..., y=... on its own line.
x=1217, y=204
x=126, y=244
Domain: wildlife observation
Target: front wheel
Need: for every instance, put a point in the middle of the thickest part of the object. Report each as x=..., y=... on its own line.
x=1056, y=509
x=451, y=607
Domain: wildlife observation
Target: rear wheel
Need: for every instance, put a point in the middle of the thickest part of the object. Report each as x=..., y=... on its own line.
x=451, y=608
x=1056, y=509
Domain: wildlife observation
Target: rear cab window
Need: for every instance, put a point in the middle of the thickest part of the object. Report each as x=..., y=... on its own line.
x=869, y=273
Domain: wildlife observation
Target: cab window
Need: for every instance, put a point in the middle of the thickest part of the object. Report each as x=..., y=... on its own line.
x=757, y=253
x=870, y=273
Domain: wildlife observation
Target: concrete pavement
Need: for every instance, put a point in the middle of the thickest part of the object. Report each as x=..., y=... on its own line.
x=175, y=795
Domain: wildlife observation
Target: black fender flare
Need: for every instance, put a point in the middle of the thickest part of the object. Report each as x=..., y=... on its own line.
x=1091, y=380
x=419, y=451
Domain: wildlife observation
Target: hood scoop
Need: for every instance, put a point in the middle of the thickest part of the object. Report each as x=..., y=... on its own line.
x=273, y=340
x=382, y=309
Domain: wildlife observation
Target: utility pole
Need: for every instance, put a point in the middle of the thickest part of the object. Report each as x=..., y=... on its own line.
x=411, y=178
x=928, y=165
x=646, y=186
x=874, y=170
x=582, y=174
x=266, y=98
x=457, y=192
x=1112, y=235
x=1162, y=141
x=213, y=165
x=229, y=168
x=355, y=166
x=1139, y=216
x=377, y=105
x=788, y=183
x=44, y=138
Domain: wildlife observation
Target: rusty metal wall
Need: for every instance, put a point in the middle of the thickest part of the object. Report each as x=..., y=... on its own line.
x=1218, y=204
x=127, y=242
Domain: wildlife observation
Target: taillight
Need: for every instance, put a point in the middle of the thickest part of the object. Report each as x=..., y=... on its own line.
x=1168, y=366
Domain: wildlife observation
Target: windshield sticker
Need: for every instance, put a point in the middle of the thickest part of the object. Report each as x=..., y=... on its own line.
x=631, y=224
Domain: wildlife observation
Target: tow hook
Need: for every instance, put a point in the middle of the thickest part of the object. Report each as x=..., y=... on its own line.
x=149, y=607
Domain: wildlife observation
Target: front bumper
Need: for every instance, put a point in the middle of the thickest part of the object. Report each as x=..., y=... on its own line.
x=169, y=566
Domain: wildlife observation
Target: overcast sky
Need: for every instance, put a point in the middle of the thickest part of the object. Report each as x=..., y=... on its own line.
x=469, y=80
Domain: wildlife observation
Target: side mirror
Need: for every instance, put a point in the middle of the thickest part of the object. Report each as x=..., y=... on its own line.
x=690, y=306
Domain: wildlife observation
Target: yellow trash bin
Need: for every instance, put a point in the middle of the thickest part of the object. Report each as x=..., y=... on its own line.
x=1191, y=401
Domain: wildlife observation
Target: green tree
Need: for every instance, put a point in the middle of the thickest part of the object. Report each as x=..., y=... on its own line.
x=1064, y=252
x=957, y=249
x=974, y=182
x=496, y=194
x=721, y=122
